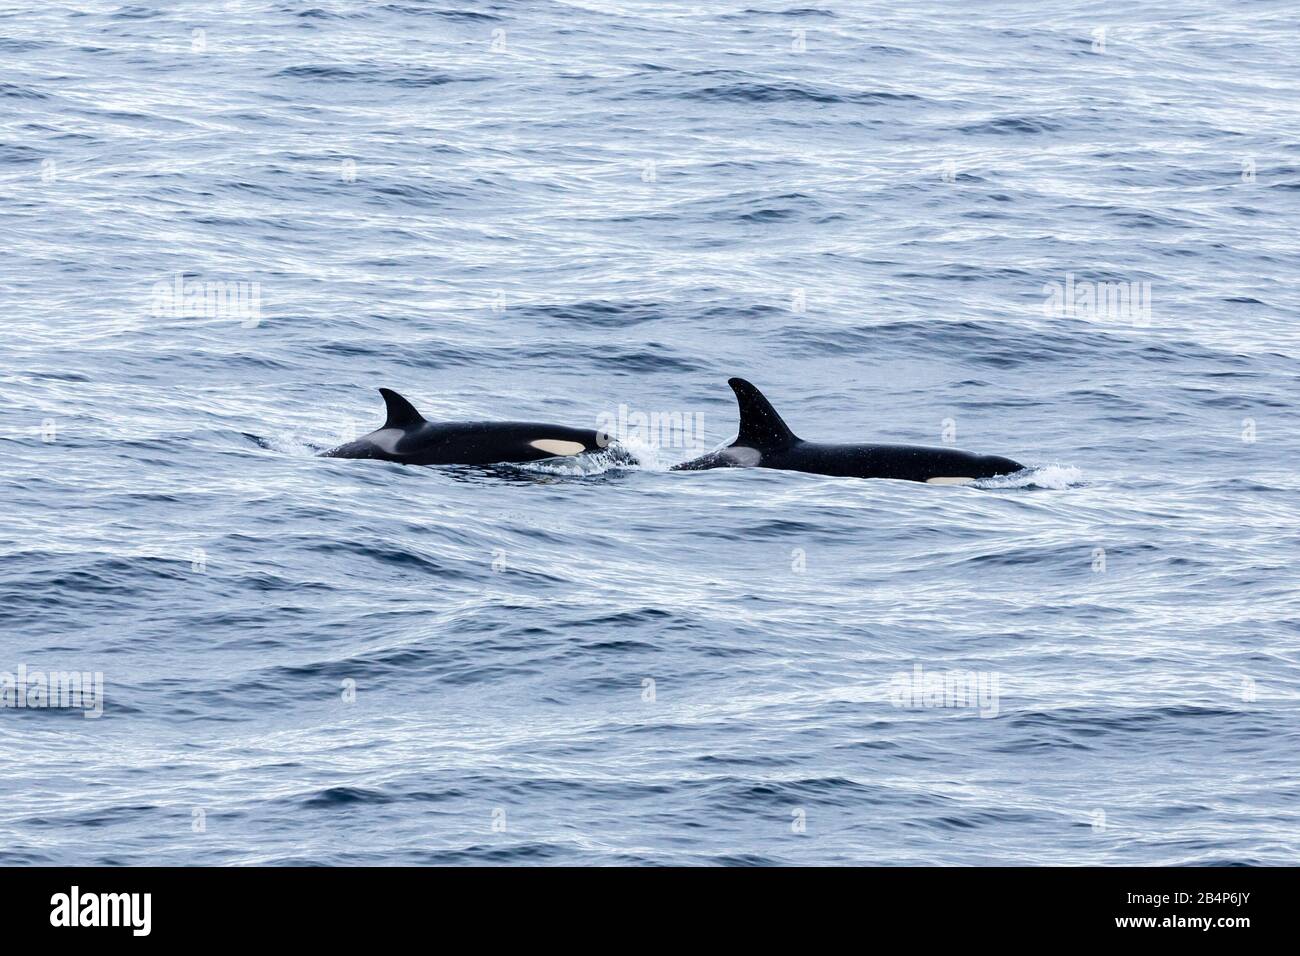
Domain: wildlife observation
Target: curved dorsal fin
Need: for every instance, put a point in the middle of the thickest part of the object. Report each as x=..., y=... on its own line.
x=760, y=425
x=401, y=413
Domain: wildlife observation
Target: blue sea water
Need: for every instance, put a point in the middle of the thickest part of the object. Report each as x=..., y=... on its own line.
x=550, y=210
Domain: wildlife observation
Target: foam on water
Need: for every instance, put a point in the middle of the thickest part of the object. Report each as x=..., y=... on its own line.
x=1054, y=477
x=617, y=457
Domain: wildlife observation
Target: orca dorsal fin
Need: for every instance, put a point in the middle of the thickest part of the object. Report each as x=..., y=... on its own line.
x=760, y=425
x=401, y=413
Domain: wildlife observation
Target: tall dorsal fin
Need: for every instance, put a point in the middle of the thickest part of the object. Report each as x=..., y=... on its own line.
x=760, y=425
x=401, y=413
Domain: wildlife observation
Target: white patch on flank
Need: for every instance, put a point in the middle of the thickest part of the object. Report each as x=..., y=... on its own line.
x=555, y=446
x=948, y=481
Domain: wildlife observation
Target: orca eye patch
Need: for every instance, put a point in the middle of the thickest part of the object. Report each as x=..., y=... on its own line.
x=557, y=446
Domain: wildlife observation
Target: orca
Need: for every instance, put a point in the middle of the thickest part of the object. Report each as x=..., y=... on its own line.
x=765, y=441
x=408, y=438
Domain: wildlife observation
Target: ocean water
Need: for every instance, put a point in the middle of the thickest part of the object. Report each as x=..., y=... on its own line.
x=1061, y=232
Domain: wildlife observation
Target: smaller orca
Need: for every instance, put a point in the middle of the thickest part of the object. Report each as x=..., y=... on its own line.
x=765, y=441
x=408, y=438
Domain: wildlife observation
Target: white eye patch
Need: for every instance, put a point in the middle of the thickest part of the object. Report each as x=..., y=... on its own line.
x=556, y=446
x=948, y=481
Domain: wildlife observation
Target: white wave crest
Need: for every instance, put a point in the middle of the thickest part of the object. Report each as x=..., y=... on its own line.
x=1054, y=477
x=617, y=457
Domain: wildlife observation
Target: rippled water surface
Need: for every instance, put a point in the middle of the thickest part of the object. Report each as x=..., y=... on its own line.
x=548, y=210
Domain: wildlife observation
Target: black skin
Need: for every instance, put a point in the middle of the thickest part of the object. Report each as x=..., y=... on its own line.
x=408, y=438
x=765, y=441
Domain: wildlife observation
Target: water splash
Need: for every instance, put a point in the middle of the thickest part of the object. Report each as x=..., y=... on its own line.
x=617, y=457
x=1053, y=477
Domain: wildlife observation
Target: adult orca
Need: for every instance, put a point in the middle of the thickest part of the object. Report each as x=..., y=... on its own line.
x=408, y=438
x=765, y=441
